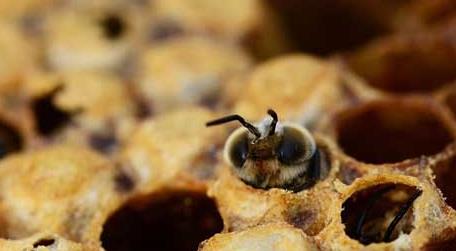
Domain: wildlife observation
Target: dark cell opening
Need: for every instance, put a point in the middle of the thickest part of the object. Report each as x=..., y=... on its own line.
x=49, y=117
x=10, y=139
x=168, y=221
x=445, y=179
x=411, y=63
x=113, y=26
x=44, y=242
x=389, y=132
x=144, y=109
x=123, y=182
x=368, y=213
x=324, y=27
x=450, y=100
x=444, y=244
x=406, y=73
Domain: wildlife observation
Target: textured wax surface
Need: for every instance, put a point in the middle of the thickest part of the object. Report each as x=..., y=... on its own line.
x=104, y=144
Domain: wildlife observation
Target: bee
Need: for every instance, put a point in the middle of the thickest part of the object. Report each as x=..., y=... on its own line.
x=271, y=154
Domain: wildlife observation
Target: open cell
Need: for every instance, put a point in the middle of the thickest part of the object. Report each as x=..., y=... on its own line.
x=10, y=139
x=418, y=62
x=445, y=244
x=169, y=221
x=340, y=26
x=49, y=118
x=379, y=213
x=450, y=100
x=445, y=178
x=392, y=131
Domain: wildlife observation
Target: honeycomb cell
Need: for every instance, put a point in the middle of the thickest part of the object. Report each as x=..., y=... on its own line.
x=445, y=244
x=445, y=178
x=49, y=118
x=394, y=130
x=298, y=87
x=418, y=62
x=278, y=237
x=450, y=99
x=173, y=146
x=11, y=139
x=340, y=26
x=168, y=221
x=188, y=71
x=84, y=40
x=87, y=108
x=369, y=214
x=230, y=20
x=243, y=206
x=249, y=23
x=60, y=189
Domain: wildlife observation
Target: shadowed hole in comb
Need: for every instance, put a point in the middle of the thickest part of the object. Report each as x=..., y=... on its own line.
x=445, y=179
x=335, y=20
x=44, y=242
x=444, y=244
x=369, y=214
x=166, y=221
x=391, y=131
x=450, y=100
x=415, y=63
x=49, y=118
x=113, y=26
x=10, y=139
x=123, y=182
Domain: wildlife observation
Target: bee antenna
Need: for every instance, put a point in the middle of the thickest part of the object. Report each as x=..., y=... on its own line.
x=273, y=124
x=236, y=117
x=400, y=215
x=369, y=205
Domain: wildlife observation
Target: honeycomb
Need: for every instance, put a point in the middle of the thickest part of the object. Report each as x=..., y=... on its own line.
x=347, y=135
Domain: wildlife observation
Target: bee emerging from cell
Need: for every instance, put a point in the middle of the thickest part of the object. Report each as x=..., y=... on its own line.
x=272, y=154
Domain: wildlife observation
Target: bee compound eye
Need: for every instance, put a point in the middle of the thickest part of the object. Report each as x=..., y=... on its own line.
x=238, y=150
x=294, y=147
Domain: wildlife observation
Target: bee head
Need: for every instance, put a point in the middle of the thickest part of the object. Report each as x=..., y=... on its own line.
x=270, y=154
